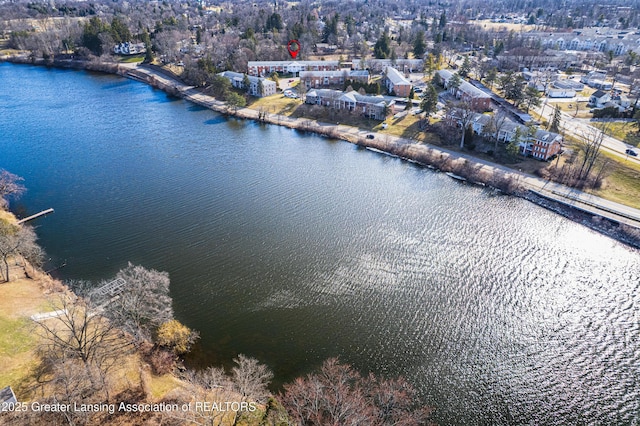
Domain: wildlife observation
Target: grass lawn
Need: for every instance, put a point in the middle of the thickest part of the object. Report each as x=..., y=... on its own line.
x=570, y=108
x=161, y=385
x=622, y=183
x=275, y=104
x=625, y=131
x=132, y=59
x=622, y=186
x=20, y=299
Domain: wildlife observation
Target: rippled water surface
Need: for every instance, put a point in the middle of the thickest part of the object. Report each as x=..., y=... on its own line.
x=292, y=248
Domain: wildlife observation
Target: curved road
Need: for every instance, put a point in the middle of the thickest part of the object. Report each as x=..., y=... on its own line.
x=577, y=128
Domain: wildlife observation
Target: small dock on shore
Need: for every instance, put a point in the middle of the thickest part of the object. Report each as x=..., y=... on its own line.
x=34, y=216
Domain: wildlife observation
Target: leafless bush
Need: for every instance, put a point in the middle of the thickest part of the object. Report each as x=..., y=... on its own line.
x=338, y=394
x=162, y=361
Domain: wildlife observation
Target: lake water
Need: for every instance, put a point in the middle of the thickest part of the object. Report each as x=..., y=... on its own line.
x=292, y=248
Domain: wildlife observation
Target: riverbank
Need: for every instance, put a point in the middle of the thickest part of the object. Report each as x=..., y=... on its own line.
x=473, y=169
x=33, y=297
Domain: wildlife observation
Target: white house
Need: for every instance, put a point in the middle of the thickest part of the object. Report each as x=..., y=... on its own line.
x=599, y=98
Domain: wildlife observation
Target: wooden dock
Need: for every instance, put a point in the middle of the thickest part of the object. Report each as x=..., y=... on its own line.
x=34, y=216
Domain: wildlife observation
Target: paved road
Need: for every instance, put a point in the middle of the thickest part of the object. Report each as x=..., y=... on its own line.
x=578, y=128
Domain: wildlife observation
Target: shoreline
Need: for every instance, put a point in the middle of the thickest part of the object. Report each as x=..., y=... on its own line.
x=621, y=226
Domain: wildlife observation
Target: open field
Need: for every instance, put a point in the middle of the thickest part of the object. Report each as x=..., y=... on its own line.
x=503, y=26
x=622, y=186
x=623, y=182
x=570, y=108
x=625, y=131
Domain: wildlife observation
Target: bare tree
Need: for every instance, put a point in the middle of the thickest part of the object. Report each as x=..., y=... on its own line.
x=394, y=401
x=10, y=186
x=590, y=144
x=211, y=385
x=462, y=113
x=251, y=379
x=80, y=335
x=144, y=304
x=338, y=395
x=15, y=241
x=496, y=124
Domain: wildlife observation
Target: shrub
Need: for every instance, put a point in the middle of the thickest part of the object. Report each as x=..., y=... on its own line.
x=162, y=361
x=176, y=336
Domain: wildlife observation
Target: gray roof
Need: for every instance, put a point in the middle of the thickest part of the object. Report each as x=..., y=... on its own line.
x=445, y=74
x=395, y=77
x=351, y=96
x=7, y=395
x=324, y=93
x=231, y=75
x=545, y=136
x=290, y=63
x=598, y=94
x=367, y=99
x=465, y=86
x=483, y=119
x=568, y=84
x=336, y=73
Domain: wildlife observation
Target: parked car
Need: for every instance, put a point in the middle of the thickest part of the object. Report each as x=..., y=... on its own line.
x=631, y=152
x=370, y=136
x=385, y=125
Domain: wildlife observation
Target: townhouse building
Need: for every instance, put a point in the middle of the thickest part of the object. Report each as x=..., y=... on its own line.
x=375, y=107
x=265, y=68
x=316, y=79
x=237, y=80
x=540, y=144
x=479, y=100
x=395, y=82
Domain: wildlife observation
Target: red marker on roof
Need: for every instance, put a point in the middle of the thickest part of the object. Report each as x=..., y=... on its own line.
x=293, y=47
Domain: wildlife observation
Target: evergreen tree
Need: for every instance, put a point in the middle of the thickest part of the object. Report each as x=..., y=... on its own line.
x=465, y=68
x=235, y=100
x=91, y=35
x=430, y=64
x=119, y=30
x=148, y=57
x=260, y=88
x=430, y=101
x=443, y=20
x=555, y=121
x=274, y=22
x=246, y=83
x=330, y=28
x=455, y=81
x=531, y=97
x=382, y=48
x=513, y=147
x=492, y=74
x=419, y=46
